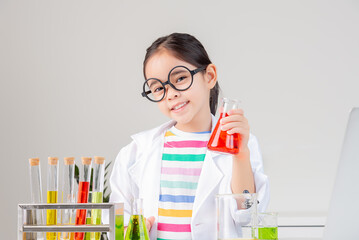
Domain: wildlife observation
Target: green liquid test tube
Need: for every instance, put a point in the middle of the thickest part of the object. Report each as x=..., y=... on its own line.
x=119, y=228
x=97, y=193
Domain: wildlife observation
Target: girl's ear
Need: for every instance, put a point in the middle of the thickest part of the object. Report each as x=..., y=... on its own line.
x=211, y=76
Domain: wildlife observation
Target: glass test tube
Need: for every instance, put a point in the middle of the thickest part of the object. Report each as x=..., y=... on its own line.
x=88, y=219
x=119, y=229
x=52, y=193
x=68, y=196
x=83, y=192
x=97, y=193
x=35, y=217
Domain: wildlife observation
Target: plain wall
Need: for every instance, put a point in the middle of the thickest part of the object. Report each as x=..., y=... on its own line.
x=71, y=77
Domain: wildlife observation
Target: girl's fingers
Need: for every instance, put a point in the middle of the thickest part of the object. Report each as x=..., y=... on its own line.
x=149, y=222
x=234, y=118
x=237, y=130
x=236, y=111
x=235, y=125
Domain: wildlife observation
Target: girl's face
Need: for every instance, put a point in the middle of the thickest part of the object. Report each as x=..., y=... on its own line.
x=190, y=108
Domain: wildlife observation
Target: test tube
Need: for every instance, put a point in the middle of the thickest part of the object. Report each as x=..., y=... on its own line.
x=68, y=196
x=35, y=217
x=97, y=193
x=83, y=192
x=119, y=229
x=52, y=193
x=88, y=219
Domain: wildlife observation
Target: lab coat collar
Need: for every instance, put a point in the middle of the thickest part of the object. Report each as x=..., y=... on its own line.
x=143, y=138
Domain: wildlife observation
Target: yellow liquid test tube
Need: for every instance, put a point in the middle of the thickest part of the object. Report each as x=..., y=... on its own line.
x=52, y=193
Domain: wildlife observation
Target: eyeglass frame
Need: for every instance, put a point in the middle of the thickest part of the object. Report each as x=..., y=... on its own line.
x=168, y=82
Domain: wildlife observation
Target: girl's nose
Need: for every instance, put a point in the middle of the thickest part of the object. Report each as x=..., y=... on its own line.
x=172, y=93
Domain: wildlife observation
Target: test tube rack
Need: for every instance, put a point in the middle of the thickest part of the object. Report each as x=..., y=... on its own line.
x=23, y=227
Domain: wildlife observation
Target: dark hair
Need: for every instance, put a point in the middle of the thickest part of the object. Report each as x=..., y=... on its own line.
x=187, y=48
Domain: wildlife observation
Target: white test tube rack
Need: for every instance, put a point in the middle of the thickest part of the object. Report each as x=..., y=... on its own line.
x=24, y=228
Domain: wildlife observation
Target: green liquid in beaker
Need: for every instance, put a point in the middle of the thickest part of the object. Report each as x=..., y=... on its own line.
x=119, y=227
x=270, y=233
x=137, y=229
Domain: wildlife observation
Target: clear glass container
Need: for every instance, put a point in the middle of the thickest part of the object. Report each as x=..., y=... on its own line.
x=97, y=192
x=268, y=226
x=221, y=141
x=119, y=228
x=83, y=194
x=68, y=196
x=136, y=229
x=35, y=217
x=52, y=194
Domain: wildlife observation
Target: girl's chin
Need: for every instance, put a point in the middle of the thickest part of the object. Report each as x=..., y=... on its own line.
x=182, y=120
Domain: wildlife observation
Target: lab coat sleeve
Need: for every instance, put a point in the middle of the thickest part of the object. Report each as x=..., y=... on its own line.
x=261, y=183
x=120, y=180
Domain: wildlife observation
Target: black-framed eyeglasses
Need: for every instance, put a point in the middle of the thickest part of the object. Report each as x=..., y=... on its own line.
x=179, y=78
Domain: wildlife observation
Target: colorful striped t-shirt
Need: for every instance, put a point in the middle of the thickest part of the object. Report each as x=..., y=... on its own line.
x=182, y=160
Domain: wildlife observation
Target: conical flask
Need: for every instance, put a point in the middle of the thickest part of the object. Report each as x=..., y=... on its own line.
x=221, y=141
x=136, y=229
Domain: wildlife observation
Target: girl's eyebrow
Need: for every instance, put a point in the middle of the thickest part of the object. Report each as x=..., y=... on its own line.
x=152, y=84
x=178, y=71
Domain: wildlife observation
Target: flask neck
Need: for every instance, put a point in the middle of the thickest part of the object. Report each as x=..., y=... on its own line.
x=137, y=208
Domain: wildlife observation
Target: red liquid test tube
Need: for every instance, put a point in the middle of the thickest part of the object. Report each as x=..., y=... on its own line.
x=83, y=193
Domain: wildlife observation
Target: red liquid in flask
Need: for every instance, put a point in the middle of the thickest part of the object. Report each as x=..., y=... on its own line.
x=221, y=141
x=82, y=197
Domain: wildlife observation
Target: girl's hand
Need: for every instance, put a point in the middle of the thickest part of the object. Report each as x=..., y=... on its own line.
x=236, y=122
x=149, y=223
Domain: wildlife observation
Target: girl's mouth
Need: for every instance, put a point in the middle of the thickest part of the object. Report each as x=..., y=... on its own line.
x=179, y=106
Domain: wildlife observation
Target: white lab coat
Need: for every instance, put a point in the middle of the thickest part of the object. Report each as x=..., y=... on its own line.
x=137, y=171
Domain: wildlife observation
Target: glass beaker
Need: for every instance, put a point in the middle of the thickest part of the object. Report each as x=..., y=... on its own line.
x=136, y=229
x=268, y=226
x=237, y=216
x=221, y=141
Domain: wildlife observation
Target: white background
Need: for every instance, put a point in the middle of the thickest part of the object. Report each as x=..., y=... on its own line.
x=71, y=77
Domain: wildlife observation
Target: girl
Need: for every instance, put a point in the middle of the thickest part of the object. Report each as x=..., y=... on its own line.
x=169, y=167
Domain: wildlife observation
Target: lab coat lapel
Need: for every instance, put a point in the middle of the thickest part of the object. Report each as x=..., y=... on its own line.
x=210, y=177
x=151, y=179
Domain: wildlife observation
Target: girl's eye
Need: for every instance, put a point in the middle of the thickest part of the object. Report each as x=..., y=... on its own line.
x=180, y=79
x=158, y=89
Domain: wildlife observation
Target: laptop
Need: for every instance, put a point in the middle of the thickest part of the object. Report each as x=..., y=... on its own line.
x=343, y=215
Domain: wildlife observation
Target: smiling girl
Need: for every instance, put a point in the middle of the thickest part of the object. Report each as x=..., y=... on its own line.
x=169, y=167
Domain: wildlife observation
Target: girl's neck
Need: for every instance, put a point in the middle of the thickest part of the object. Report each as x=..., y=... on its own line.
x=196, y=125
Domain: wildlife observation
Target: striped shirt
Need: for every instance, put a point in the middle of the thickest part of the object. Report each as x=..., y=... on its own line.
x=182, y=160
